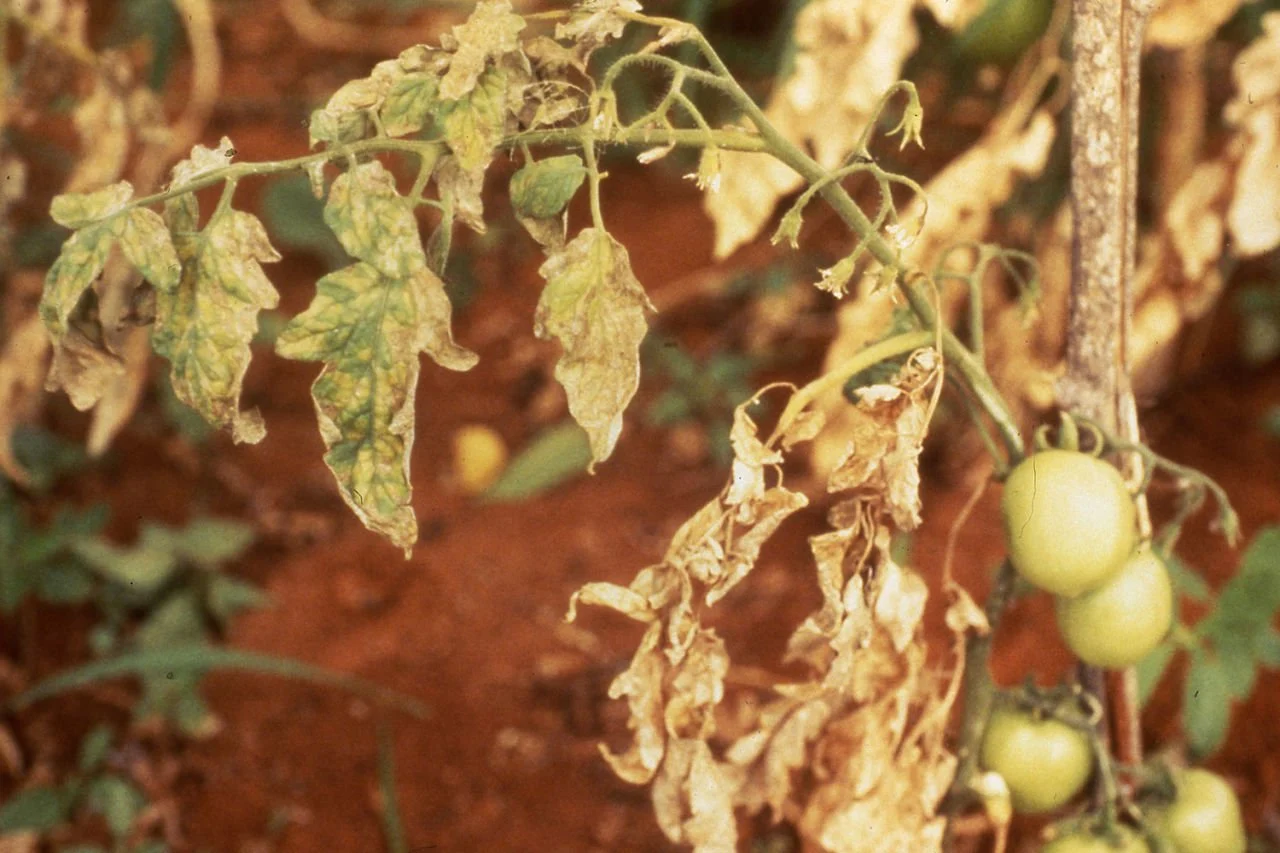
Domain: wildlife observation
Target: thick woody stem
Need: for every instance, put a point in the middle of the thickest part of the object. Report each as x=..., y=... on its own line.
x=1107, y=44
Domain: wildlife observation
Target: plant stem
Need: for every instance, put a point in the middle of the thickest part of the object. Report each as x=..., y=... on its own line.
x=979, y=688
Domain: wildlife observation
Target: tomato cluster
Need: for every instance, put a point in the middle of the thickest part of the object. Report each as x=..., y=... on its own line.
x=1071, y=528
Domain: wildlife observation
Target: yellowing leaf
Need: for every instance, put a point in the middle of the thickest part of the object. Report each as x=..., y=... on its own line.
x=368, y=323
x=80, y=262
x=473, y=123
x=205, y=324
x=491, y=31
x=75, y=210
x=145, y=241
x=594, y=306
x=410, y=103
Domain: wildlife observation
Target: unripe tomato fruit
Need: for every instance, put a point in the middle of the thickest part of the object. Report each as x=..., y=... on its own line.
x=1122, y=621
x=1127, y=841
x=1204, y=816
x=1044, y=762
x=1069, y=521
x=1004, y=30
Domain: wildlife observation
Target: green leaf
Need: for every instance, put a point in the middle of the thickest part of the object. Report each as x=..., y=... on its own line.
x=145, y=241
x=176, y=622
x=541, y=189
x=117, y=800
x=206, y=325
x=1206, y=705
x=474, y=123
x=80, y=262
x=1268, y=646
x=410, y=103
x=228, y=596
x=1187, y=580
x=35, y=809
x=208, y=542
x=295, y=219
x=64, y=583
x=556, y=455
x=94, y=748
x=201, y=658
x=1152, y=668
x=368, y=322
x=76, y=210
x=139, y=570
x=594, y=306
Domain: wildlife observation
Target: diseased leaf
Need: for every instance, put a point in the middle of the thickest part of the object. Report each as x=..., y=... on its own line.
x=410, y=103
x=491, y=31
x=81, y=261
x=368, y=327
x=373, y=222
x=594, y=306
x=473, y=123
x=75, y=210
x=541, y=189
x=596, y=22
x=204, y=326
x=145, y=240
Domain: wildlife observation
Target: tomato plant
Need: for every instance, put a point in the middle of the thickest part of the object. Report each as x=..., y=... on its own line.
x=1068, y=520
x=1122, y=621
x=1204, y=816
x=1045, y=762
x=1121, y=840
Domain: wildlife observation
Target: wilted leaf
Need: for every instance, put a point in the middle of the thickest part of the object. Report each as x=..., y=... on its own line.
x=693, y=798
x=1254, y=216
x=641, y=684
x=885, y=440
x=541, y=189
x=23, y=364
x=473, y=123
x=1184, y=23
x=204, y=326
x=595, y=22
x=594, y=306
x=145, y=241
x=79, y=263
x=102, y=122
x=491, y=31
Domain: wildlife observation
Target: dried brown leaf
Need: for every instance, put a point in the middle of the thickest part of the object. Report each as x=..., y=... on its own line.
x=1183, y=23
x=22, y=370
x=1254, y=215
x=848, y=54
x=693, y=798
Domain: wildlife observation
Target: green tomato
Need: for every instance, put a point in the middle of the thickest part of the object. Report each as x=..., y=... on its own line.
x=1069, y=521
x=1044, y=762
x=1124, y=841
x=1004, y=30
x=1122, y=621
x=1204, y=816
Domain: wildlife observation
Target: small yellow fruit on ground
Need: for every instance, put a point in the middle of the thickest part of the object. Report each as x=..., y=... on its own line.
x=479, y=457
